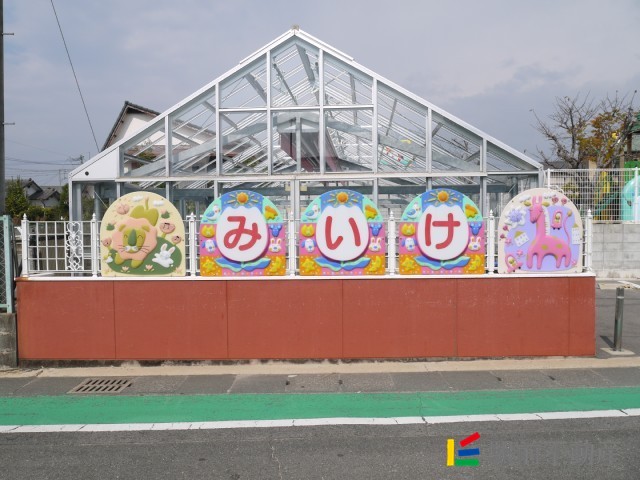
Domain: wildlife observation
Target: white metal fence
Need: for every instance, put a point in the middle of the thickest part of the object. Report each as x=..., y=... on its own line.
x=611, y=194
x=73, y=248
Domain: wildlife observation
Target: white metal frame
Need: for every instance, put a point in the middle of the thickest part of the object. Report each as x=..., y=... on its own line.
x=92, y=171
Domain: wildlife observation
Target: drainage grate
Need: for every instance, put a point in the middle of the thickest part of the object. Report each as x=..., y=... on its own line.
x=102, y=385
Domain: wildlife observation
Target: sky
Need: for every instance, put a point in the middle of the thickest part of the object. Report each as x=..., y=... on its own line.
x=490, y=62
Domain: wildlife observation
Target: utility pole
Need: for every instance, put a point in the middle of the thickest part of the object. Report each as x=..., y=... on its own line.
x=3, y=192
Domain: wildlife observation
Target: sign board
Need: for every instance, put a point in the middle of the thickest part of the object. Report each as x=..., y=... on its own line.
x=441, y=232
x=241, y=234
x=142, y=234
x=342, y=233
x=540, y=230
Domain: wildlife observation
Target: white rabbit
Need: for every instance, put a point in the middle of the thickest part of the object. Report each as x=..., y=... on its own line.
x=274, y=245
x=374, y=246
x=474, y=243
x=163, y=257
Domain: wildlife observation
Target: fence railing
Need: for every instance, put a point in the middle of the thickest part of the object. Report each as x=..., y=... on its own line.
x=67, y=248
x=611, y=194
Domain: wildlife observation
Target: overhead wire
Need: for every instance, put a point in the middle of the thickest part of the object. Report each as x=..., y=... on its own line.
x=75, y=77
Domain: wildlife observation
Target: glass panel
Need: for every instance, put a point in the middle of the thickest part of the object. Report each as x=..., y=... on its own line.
x=278, y=192
x=502, y=188
x=395, y=194
x=453, y=147
x=246, y=88
x=348, y=140
x=244, y=142
x=309, y=191
x=193, y=138
x=145, y=156
x=344, y=85
x=401, y=133
x=470, y=186
x=294, y=75
x=192, y=197
x=105, y=194
x=502, y=161
x=295, y=136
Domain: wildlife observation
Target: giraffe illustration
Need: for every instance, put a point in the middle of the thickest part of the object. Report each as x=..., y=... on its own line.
x=544, y=243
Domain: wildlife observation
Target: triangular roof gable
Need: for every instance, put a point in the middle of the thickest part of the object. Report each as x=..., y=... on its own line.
x=127, y=108
x=158, y=121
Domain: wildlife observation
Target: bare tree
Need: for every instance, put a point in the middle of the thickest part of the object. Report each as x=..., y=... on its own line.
x=581, y=132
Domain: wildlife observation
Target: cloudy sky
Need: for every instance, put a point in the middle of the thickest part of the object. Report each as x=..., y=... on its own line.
x=488, y=62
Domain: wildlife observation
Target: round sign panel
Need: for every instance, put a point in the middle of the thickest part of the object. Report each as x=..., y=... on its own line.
x=242, y=234
x=342, y=233
x=443, y=232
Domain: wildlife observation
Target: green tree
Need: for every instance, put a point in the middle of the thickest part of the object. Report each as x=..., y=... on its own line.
x=581, y=132
x=16, y=203
x=62, y=210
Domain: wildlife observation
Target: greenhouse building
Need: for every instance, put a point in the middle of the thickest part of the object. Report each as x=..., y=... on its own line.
x=296, y=119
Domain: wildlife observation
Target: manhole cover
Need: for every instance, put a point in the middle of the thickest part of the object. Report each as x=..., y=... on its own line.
x=102, y=385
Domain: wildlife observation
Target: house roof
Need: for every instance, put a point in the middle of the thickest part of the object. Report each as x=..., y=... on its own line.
x=127, y=109
x=46, y=193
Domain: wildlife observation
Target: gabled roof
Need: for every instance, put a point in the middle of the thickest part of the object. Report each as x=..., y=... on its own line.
x=449, y=142
x=46, y=194
x=127, y=109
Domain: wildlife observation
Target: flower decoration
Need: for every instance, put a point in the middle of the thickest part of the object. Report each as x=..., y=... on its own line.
x=516, y=217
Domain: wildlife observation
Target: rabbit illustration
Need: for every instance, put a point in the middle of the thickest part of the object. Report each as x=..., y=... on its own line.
x=474, y=243
x=274, y=245
x=374, y=246
x=163, y=257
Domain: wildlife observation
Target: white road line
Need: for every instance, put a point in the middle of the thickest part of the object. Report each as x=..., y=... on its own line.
x=630, y=284
x=312, y=422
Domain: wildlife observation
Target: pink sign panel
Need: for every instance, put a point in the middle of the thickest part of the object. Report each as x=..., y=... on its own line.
x=342, y=233
x=241, y=234
x=441, y=233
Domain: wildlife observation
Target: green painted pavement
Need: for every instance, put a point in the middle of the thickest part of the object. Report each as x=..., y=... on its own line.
x=52, y=410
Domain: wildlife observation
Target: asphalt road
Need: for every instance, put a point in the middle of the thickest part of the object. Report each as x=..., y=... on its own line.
x=554, y=449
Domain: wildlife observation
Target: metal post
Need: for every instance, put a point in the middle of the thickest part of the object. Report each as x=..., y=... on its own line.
x=7, y=225
x=548, y=178
x=95, y=251
x=635, y=194
x=24, y=240
x=192, y=244
x=2, y=156
x=491, y=243
x=588, y=242
x=391, y=244
x=291, y=231
x=617, y=334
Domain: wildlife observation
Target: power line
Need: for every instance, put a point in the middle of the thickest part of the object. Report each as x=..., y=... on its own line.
x=75, y=76
x=37, y=148
x=42, y=162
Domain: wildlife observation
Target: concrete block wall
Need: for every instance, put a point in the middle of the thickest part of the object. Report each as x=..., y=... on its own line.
x=616, y=250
